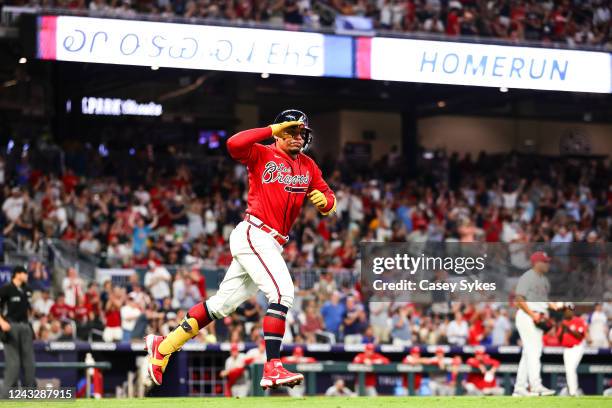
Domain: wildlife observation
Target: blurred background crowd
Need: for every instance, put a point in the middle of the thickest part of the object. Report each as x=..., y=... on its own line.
x=173, y=220
x=572, y=22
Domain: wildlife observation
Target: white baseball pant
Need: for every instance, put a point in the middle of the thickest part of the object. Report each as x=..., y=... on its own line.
x=529, y=366
x=571, y=359
x=257, y=264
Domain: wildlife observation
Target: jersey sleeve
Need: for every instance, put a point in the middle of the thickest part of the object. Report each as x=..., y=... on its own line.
x=242, y=146
x=492, y=362
x=473, y=362
x=522, y=286
x=382, y=360
x=317, y=183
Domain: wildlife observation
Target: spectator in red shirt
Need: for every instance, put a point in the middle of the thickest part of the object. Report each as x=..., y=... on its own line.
x=483, y=382
x=370, y=357
x=83, y=317
x=199, y=280
x=452, y=20
x=81, y=311
x=92, y=299
x=112, y=314
x=60, y=310
x=571, y=333
x=70, y=181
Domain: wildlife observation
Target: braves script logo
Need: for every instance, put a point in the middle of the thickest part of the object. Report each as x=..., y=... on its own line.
x=279, y=173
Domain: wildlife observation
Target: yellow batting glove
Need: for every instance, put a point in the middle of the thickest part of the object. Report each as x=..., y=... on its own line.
x=278, y=129
x=318, y=199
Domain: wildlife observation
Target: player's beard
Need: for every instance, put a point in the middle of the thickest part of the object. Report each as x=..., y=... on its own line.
x=294, y=148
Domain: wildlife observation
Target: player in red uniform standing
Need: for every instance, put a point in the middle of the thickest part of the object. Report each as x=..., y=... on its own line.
x=571, y=332
x=280, y=178
x=370, y=357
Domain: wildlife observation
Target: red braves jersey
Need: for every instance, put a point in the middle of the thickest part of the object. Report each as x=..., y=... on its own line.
x=576, y=324
x=278, y=183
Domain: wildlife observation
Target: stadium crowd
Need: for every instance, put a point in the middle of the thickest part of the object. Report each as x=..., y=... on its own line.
x=574, y=23
x=181, y=216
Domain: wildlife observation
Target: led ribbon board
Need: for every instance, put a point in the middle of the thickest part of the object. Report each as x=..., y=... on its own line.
x=111, y=41
x=439, y=62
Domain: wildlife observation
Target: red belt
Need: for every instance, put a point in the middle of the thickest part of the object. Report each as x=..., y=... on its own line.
x=257, y=223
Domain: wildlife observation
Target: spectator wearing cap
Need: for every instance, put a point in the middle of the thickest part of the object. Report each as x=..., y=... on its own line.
x=481, y=380
x=370, y=357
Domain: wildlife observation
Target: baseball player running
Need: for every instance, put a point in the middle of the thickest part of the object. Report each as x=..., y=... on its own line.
x=531, y=297
x=571, y=332
x=280, y=177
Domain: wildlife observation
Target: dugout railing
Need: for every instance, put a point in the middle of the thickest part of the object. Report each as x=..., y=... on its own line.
x=505, y=371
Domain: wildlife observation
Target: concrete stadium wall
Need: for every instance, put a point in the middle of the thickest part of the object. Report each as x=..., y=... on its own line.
x=386, y=127
x=473, y=134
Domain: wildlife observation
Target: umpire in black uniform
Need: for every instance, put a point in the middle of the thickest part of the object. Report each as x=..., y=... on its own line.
x=16, y=332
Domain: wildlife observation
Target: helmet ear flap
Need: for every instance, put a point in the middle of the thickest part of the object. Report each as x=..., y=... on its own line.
x=307, y=141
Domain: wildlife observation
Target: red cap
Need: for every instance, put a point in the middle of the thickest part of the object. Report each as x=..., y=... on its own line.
x=415, y=350
x=539, y=256
x=298, y=351
x=479, y=352
x=369, y=347
x=439, y=350
x=233, y=347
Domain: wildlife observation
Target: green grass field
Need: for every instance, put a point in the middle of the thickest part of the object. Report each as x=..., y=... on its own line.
x=327, y=402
